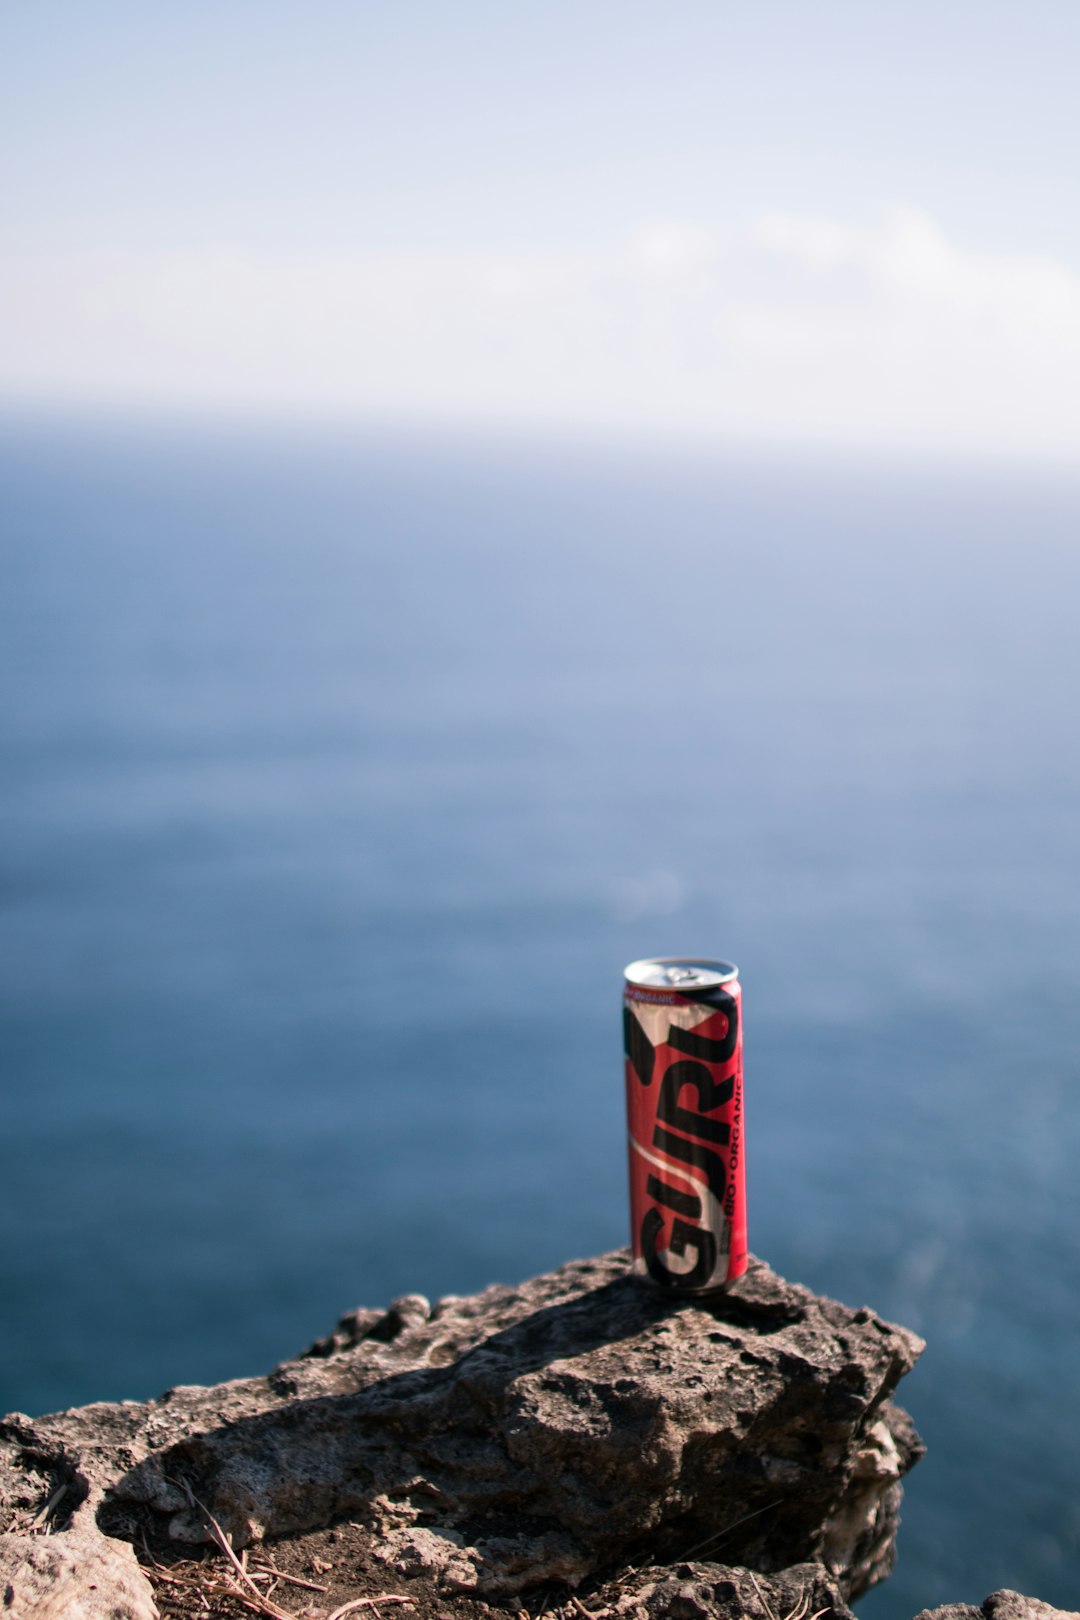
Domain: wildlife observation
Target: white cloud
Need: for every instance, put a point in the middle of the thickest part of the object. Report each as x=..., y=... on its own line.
x=784, y=327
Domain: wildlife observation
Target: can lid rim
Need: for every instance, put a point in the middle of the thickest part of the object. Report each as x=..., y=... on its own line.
x=644, y=972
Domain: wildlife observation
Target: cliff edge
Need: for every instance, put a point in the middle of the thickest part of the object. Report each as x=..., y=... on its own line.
x=582, y=1443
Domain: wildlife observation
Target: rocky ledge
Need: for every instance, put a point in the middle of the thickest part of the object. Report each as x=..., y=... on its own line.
x=579, y=1445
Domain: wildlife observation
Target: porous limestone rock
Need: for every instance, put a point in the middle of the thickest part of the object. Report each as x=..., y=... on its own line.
x=704, y=1591
x=77, y=1574
x=580, y=1429
x=1000, y=1606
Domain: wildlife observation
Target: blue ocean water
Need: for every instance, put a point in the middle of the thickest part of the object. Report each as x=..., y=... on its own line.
x=342, y=777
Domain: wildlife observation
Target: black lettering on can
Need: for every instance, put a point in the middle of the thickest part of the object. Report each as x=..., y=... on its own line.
x=696, y=1238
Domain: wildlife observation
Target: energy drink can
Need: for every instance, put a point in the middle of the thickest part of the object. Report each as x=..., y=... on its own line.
x=682, y=1027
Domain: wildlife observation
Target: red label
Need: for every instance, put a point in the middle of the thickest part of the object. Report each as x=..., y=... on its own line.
x=684, y=1096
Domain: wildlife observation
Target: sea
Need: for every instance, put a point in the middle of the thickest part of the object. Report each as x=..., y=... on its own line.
x=344, y=770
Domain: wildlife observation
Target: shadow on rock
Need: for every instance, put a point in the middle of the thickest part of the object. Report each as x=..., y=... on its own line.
x=559, y=1431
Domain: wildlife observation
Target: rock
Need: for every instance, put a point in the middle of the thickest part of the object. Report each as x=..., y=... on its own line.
x=583, y=1431
x=77, y=1574
x=722, y=1592
x=1000, y=1606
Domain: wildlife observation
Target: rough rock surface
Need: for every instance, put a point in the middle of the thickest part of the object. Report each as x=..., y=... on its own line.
x=582, y=1432
x=704, y=1591
x=1000, y=1606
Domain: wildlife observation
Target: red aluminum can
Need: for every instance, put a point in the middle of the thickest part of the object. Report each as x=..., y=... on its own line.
x=682, y=1033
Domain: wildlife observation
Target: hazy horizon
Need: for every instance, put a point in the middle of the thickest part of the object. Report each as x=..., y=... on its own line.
x=837, y=228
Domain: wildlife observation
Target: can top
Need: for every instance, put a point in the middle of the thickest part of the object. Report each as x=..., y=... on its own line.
x=686, y=973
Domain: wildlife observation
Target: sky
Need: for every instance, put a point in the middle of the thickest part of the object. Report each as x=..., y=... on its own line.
x=828, y=224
